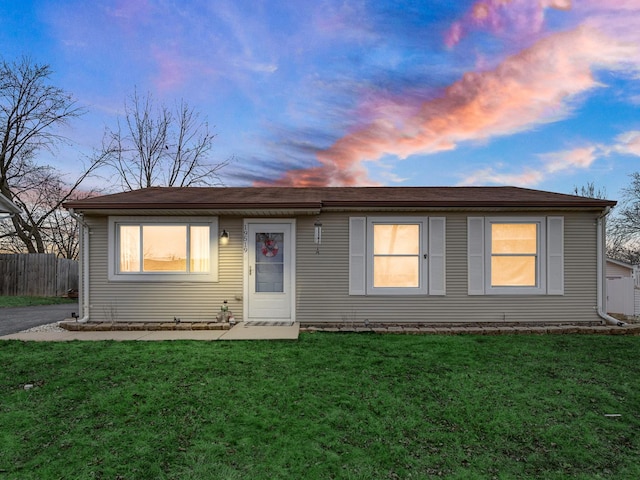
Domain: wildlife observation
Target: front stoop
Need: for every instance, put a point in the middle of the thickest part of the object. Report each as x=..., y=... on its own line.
x=141, y=326
x=475, y=329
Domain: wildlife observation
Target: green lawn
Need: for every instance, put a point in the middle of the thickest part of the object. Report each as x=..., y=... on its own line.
x=352, y=406
x=25, y=301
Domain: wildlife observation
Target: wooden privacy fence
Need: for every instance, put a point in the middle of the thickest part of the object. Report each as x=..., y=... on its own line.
x=37, y=274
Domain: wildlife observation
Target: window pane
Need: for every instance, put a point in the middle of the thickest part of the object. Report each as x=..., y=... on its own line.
x=164, y=248
x=270, y=277
x=129, y=248
x=513, y=271
x=514, y=238
x=396, y=239
x=269, y=247
x=269, y=262
x=199, y=249
x=396, y=272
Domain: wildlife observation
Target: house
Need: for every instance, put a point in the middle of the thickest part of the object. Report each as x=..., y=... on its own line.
x=623, y=288
x=7, y=206
x=343, y=255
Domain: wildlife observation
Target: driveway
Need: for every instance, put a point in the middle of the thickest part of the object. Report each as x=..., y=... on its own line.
x=16, y=319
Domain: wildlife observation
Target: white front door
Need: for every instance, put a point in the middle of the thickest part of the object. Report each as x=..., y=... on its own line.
x=269, y=273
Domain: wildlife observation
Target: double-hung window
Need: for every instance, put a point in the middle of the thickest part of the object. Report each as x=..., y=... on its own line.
x=163, y=248
x=395, y=261
x=396, y=255
x=516, y=255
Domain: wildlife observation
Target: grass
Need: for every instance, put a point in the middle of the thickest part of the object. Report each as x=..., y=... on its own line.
x=343, y=406
x=25, y=301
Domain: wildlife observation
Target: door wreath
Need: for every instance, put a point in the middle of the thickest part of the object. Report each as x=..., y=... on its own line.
x=270, y=247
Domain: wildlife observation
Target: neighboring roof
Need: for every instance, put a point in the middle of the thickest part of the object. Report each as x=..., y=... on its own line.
x=312, y=198
x=620, y=264
x=7, y=206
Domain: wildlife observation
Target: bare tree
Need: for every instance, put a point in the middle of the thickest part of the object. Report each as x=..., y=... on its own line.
x=625, y=225
x=589, y=190
x=616, y=244
x=157, y=146
x=53, y=229
x=31, y=112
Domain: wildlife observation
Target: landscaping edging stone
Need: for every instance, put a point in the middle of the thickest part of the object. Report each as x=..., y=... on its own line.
x=141, y=326
x=476, y=329
x=397, y=329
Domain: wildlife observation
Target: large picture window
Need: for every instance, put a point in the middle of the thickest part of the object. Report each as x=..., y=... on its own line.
x=157, y=248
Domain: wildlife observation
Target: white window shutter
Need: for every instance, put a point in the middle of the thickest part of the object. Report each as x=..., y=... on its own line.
x=475, y=255
x=357, y=257
x=555, y=255
x=436, y=257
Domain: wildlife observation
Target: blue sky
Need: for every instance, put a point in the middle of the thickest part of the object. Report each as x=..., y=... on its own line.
x=535, y=93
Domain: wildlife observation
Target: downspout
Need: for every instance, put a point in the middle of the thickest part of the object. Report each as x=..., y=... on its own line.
x=83, y=267
x=601, y=262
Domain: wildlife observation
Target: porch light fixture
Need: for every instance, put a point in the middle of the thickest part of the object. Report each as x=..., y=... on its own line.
x=224, y=237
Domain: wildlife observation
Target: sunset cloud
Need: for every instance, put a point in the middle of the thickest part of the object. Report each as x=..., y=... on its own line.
x=514, y=17
x=489, y=176
x=561, y=162
x=580, y=158
x=550, y=164
x=341, y=93
x=628, y=143
x=569, y=159
x=171, y=69
x=534, y=87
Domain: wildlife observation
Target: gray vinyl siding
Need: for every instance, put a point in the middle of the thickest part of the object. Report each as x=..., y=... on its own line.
x=322, y=281
x=145, y=302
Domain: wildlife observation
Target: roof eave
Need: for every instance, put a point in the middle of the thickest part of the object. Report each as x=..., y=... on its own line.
x=466, y=204
x=94, y=206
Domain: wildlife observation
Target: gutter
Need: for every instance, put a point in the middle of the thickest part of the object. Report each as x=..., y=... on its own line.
x=83, y=267
x=13, y=212
x=601, y=272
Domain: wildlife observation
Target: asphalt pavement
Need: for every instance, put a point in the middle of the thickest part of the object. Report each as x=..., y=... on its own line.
x=16, y=319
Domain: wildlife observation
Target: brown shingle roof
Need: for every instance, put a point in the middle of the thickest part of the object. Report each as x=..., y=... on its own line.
x=223, y=198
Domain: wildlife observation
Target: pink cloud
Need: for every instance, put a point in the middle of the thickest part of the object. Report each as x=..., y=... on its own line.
x=130, y=9
x=581, y=157
x=529, y=177
x=628, y=143
x=329, y=174
x=519, y=17
x=172, y=69
x=552, y=163
x=533, y=87
x=130, y=15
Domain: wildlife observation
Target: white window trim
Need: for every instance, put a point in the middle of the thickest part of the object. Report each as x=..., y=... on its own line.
x=422, y=287
x=113, y=253
x=433, y=268
x=541, y=275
